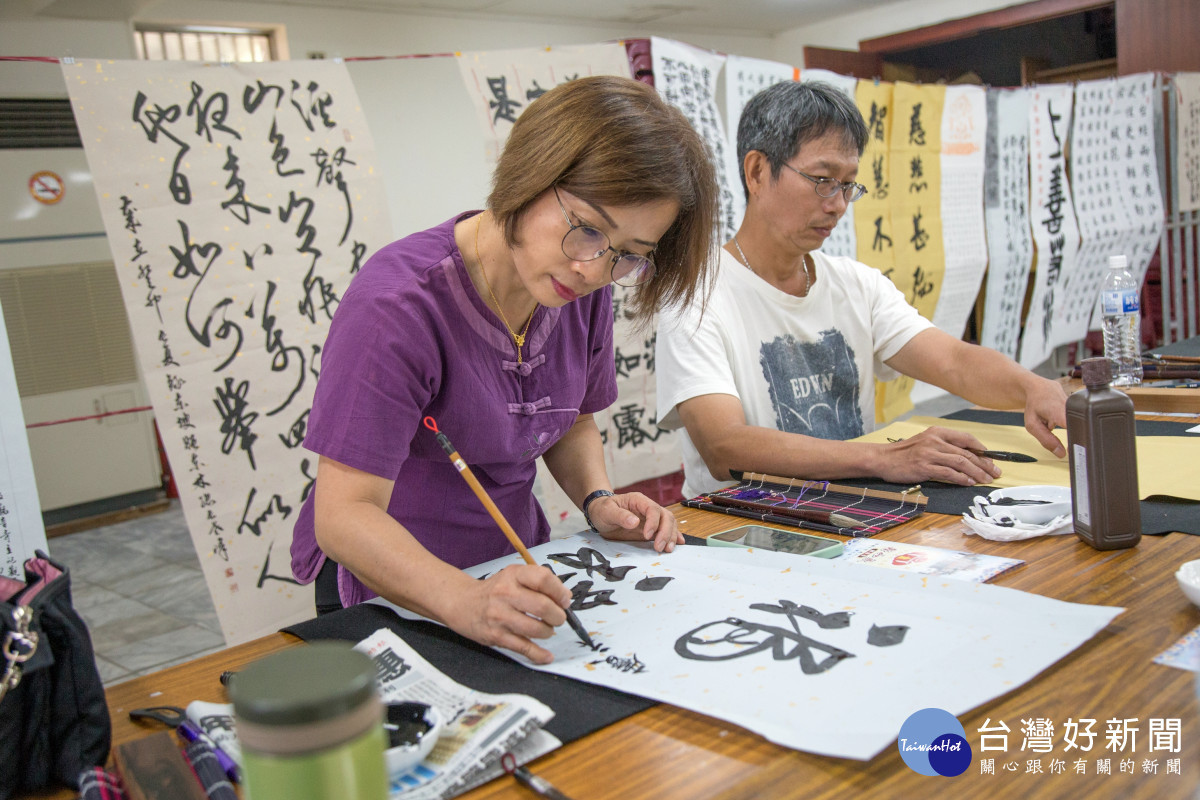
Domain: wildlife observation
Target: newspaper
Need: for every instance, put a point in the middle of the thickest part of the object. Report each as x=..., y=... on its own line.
x=479, y=728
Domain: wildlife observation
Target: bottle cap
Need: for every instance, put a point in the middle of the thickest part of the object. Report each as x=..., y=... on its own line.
x=1117, y=262
x=1096, y=371
x=306, y=684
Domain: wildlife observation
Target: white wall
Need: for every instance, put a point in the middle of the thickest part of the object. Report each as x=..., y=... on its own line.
x=429, y=146
x=846, y=31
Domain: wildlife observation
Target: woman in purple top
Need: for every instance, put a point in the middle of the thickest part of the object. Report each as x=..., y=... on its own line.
x=499, y=325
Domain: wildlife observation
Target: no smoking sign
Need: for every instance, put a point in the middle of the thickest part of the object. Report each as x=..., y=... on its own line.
x=46, y=187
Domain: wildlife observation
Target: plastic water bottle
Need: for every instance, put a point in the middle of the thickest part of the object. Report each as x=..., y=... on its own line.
x=1122, y=323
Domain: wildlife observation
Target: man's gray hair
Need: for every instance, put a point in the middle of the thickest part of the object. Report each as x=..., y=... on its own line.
x=785, y=116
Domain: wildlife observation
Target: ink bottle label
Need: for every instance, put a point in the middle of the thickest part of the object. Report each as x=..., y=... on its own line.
x=1083, y=506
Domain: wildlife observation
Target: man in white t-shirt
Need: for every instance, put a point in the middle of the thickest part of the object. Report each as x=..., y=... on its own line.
x=779, y=368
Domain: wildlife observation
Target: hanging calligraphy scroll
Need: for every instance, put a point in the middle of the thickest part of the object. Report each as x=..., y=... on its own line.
x=1055, y=232
x=873, y=212
x=686, y=77
x=238, y=201
x=1104, y=228
x=813, y=654
x=502, y=83
x=916, y=206
x=842, y=241
x=1136, y=107
x=1187, y=138
x=744, y=78
x=964, y=128
x=1010, y=248
x=21, y=529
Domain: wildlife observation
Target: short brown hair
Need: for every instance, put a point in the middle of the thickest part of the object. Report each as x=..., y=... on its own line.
x=614, y=141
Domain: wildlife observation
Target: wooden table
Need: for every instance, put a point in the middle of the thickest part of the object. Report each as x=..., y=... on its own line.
x=666, y=752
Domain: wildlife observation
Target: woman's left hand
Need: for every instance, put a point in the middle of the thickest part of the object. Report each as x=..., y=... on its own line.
x=635, y=517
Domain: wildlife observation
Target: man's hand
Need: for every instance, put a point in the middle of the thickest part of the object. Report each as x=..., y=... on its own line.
x=938, y=454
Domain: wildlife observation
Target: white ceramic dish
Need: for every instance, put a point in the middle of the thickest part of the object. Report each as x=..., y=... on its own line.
x=402, y=758
x=1049, y=502
x=1188, y=576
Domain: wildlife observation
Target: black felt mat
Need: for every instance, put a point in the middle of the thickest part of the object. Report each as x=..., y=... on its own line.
x=1158, y=516
x=579, y=708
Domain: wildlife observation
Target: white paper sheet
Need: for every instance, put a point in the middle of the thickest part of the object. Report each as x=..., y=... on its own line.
x=686, y=77
x=1187, y=137
x=502, y=83
x=1006, y=210
x=817, y=655
x=1055, y=231
x=964, y=131
x=21, y=528
x=238, y=201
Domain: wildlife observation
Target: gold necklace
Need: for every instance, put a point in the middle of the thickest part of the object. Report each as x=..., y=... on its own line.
x=518, y=338
x=746, y=261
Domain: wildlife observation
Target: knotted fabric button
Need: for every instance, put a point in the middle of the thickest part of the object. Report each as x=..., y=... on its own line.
x=524, y=368
x=528, y=409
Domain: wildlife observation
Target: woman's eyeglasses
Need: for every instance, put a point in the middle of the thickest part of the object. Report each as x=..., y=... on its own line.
x=585, y=243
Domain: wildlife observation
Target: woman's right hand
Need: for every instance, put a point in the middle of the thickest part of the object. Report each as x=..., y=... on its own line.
x=511, y=608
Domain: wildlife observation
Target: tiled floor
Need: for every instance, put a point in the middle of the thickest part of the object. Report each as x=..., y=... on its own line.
x=139, y=587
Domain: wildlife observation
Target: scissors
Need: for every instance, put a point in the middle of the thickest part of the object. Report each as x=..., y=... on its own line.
x=176, y=717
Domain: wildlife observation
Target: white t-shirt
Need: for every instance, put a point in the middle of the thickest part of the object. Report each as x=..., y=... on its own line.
x=799, y=364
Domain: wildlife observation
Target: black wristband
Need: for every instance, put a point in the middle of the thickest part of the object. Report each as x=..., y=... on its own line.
x=587, y=501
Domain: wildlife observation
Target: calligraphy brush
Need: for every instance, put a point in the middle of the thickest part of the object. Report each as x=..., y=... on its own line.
x=831, y=518
x=490, y=505
x=1002, y=455
x=1167, y=359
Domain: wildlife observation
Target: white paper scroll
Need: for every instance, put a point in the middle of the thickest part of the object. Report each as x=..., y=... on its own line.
x=502, y=83
x=21, y=528
x=744, y=78
x=1135, y=105
x=1055, y=232
x=686, y=77
x=238, y=201
x=1187, y=138
x=1104, y=228
x=964, y=131
x=816, y=655
x=842, y=241
x=1006, y=210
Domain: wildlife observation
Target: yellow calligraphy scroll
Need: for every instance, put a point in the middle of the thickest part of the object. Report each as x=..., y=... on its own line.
x=916, y=209
x=872, y=213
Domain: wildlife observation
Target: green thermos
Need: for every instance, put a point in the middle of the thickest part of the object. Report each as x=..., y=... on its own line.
x=311, y=725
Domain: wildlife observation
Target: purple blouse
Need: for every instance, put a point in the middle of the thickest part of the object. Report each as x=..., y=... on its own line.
x=412, y=337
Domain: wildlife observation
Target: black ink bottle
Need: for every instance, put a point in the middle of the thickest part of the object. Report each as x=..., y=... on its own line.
x=1103, y=460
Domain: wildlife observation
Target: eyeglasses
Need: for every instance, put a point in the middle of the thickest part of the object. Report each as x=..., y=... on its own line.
x=828, y=187
x=585, y=243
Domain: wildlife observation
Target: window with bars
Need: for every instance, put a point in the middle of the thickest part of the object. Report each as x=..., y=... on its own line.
x=201, y=43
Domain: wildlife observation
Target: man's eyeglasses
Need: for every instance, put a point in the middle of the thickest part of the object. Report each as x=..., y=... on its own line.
x=828, y=187
x=585, y=243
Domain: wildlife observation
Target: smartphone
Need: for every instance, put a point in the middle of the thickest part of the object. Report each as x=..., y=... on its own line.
x=802, y=544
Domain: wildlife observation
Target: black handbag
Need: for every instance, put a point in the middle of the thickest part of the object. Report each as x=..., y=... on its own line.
x=54, y=720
